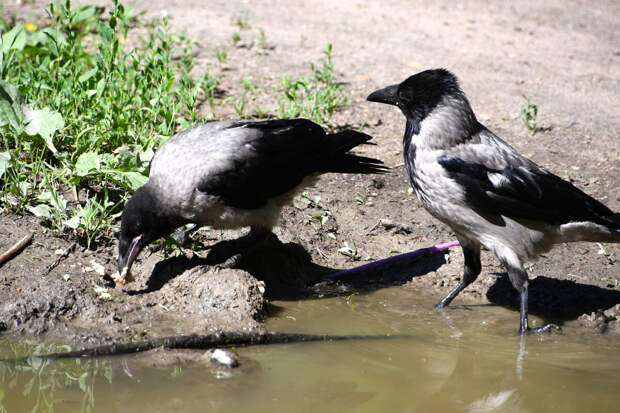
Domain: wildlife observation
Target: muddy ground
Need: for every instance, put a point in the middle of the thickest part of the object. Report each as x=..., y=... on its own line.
x=565, y=55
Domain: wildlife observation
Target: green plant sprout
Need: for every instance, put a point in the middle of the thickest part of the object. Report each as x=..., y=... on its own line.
x=529, y=112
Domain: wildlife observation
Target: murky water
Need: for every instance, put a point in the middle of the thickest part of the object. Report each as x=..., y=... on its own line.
x=459, y=360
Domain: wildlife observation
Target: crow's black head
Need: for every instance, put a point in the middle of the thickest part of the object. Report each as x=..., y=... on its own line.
x=142, y=222
x=419, y=94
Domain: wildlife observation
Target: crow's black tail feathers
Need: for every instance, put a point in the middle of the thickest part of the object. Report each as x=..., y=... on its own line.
x=342, y=162
x=354, y=164
x=346, y=140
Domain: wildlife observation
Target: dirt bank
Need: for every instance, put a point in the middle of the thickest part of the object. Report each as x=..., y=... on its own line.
x=565, y=56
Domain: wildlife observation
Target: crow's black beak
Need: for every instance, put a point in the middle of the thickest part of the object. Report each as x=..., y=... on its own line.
x=387, y=95
x=126, y=261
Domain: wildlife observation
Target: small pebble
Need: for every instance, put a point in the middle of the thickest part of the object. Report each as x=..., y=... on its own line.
x=97, y=268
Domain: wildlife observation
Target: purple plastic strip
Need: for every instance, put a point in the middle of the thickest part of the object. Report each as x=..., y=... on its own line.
x=422, y=251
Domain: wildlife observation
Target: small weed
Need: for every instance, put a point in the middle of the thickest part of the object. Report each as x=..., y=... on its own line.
x=248, y=84
x=94, y=217
x=261, y=112
x=323, y=218
x=241, y=105
x=529, y=112
x=350, y=251
x=349, y=298
x=316, y=96
x=604, y=252
x=221, y=55
x=208, y=84
x=241, y=20
x=312, y=202
x=247, y=94
x=609, y=281
x=235, y=38
x=262, y=39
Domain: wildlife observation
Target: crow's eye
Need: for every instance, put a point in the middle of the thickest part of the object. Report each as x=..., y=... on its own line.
x=404, y=95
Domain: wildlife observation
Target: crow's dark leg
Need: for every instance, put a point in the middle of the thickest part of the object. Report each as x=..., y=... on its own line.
x=518, y=278
x=471, y=269
x=255, y=237
x=181, y=237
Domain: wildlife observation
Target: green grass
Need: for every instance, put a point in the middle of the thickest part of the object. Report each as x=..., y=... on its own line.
x=235, y=38
x=80, y=122
x=315, y=96
x=76, y=118
x=241, y=20
x=262, y=38
x=529, y=113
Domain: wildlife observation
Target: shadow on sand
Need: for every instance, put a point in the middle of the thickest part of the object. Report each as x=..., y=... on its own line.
x=553, y=299
x=288, y=271
x=290, y=274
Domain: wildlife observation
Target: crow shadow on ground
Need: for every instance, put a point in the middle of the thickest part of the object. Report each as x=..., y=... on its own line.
x=553, y=299
x=288, y=270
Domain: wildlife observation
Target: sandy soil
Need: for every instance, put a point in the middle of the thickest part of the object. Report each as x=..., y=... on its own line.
x=565, y=55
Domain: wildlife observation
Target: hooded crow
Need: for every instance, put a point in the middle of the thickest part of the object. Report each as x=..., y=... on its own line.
x=483, y=189
x=230, y=175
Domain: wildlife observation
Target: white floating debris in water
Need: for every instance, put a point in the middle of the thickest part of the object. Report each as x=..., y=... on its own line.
x=224, y=357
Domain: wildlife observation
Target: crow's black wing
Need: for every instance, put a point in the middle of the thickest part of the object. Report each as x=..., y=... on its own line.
x=271, y=163
x=519, y=192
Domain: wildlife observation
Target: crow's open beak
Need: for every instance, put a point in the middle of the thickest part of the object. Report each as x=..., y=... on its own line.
x=387, y=95
x=125, y=262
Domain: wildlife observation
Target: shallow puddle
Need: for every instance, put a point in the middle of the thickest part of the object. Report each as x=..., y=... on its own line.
x=458, y=360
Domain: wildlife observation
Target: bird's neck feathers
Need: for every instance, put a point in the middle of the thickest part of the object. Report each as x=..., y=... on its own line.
x=451, y=122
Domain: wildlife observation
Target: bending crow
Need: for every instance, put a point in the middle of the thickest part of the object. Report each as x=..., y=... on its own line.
x=231, y=175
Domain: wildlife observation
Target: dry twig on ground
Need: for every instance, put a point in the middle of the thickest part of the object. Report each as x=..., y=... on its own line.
x=62, y=256
x=15, y=248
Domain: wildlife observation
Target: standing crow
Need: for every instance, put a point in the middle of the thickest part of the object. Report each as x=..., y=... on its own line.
x=483, y=189
x=231, y=175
